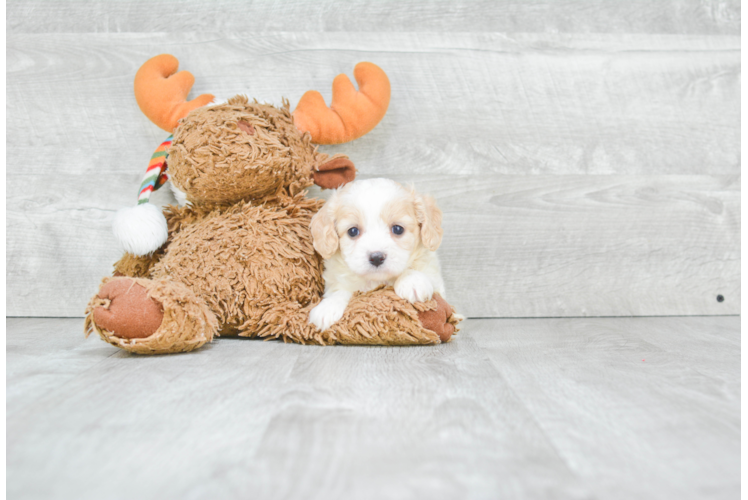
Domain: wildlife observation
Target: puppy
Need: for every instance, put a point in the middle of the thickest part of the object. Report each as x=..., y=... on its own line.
x=374, y=232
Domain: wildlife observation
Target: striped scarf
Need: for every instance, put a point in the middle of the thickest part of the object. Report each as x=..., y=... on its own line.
x=156, y=175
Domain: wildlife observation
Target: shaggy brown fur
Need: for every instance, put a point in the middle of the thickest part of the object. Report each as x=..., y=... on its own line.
x=137, y=266
x=378, y=317
x=250, y=166
x=187, y=324
x=249, y=257
x=239, y=260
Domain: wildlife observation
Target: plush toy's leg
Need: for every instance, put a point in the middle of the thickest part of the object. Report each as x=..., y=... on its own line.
x=442, y=319
x=378, y=317
x=382, y=317
x=136, y=266
x=149, y=316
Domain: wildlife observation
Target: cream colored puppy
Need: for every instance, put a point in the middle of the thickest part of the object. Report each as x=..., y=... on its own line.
x=376, y=232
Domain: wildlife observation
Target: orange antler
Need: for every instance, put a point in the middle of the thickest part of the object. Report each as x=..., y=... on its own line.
x=351, y=114
x=161, y=92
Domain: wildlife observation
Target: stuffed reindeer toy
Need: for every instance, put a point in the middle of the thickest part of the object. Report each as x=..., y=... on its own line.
x=236, y=257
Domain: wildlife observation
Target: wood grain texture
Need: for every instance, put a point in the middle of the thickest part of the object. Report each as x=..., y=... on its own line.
x=743, y=93
x=580, y=174
x=533, y=246
x=514, y=246
x=461, y=103
x=573, y=408
x=560, y=16
x=595, y=385
x=744, y=401
x=744, y=251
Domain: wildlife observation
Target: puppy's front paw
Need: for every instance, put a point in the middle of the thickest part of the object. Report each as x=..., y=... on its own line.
x=414, y=287
x=326, y=313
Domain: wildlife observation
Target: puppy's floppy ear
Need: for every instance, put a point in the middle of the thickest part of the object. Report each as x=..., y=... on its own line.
x=430, y=218
x=324, y=235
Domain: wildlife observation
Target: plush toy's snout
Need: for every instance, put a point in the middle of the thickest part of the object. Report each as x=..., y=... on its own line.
x=246, y=127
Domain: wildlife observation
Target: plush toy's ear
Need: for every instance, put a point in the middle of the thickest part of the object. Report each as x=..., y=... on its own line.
x=334, y=173
x=161, y=92
x=430, y=218
x=352, y=113
x=324, y=235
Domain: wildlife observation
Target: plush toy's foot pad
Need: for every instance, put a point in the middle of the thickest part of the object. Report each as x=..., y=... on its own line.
x=437, y=320
x=127, y=311
x=146, y=316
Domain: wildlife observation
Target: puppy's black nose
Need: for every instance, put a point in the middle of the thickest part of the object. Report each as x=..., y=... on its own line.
x=376, y=258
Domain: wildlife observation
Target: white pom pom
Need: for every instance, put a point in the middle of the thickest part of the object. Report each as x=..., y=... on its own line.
x=141, y=229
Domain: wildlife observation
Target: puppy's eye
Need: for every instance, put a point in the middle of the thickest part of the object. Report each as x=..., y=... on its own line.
x=398, y=230
x=353, y=232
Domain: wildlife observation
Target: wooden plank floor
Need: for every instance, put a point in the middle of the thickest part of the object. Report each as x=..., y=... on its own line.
x=614, y=408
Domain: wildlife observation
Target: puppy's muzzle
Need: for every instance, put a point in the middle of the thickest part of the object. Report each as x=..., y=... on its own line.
x=377, y=258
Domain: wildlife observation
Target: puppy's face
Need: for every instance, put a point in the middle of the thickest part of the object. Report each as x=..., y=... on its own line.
x=376, y=225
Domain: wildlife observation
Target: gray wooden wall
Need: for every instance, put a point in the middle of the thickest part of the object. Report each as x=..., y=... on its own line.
x=586, y=153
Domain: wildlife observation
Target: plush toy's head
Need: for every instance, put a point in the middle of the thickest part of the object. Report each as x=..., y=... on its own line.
x=243, y=150
x=240, y=150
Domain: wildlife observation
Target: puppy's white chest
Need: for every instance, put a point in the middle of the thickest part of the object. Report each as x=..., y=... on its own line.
x=371, y=284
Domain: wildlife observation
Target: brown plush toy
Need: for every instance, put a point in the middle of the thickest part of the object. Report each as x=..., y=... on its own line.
x=237, y=258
